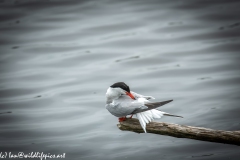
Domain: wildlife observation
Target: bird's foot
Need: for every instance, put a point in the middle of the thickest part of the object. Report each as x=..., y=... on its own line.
x=122, y=119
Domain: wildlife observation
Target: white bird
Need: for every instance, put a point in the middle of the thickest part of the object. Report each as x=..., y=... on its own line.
x=122, y=102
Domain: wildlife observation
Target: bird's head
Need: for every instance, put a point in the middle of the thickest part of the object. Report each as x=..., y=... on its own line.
x=118, y=89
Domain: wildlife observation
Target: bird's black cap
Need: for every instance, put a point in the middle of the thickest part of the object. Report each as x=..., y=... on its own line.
x=121, y=85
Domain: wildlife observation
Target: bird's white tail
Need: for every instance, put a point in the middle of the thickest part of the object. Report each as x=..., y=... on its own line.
x=148, y=116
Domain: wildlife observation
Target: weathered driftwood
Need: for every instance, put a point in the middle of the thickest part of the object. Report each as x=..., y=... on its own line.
x=182, y=131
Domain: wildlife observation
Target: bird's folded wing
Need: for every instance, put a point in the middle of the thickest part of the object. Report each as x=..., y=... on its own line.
x=136, y=95
x=124, y=109
x=150, y=105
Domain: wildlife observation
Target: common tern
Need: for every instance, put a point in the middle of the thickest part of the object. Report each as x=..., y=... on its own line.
x=122, y=102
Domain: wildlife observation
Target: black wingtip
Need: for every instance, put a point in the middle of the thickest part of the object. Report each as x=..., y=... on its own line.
x=153, y=105
x=165, y=102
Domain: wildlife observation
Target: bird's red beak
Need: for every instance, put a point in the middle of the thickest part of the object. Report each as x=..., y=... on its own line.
x=130, y=95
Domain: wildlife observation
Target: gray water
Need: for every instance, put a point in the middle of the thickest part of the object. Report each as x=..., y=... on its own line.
x=58, y=57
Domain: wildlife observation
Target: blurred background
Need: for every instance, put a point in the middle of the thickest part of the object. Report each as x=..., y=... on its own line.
x=58, y=57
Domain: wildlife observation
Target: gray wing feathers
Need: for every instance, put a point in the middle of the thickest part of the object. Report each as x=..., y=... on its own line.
x=136, y=95
x=150, y=106
x=122, y=109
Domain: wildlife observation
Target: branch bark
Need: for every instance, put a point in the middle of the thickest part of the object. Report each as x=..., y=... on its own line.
x=182, y=131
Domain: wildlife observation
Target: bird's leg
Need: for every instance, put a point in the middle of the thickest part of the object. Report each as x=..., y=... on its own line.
x=122, y=119
x=131, y=116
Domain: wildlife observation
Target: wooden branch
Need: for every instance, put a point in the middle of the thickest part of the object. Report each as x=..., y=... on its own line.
x=182, y=131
